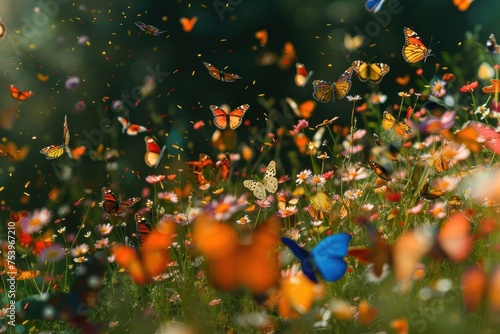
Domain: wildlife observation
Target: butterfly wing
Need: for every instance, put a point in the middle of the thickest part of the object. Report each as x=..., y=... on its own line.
x=109, y=202
x=236, y=116
x=414, y=49
x=19, y=95
x=361, y=68
x=302, y=76
x=343, y=84
x=379, y=170
x=323, y=91
x=306, y=260
x=154, y=153
x=53, y=151
x=329, y=255
x=126, y=204
x=257, y=187
x=377, y=71
x=374, y=5
x=213, y=71
x=221, y=118
x=188, y=24
x=270, y=181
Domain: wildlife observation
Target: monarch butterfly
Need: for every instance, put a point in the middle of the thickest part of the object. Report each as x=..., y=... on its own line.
x=188, y=24
x=224, y=167
x=327, y=257
x=142, y=227
x=154, y=153
x=374, y=72
x=491, y=45
x=203, y=161
x=323, y=90
x=112, y=206
x=302, y=76
x=19, y=95
x=269, y=183
x=426, y=193
x=381, y=171
x=231, y=264
x=388, y=122
x=232, y=120
x=283, y=202
x=374, y=5
x=132, y=129
x=150, y=30
x=219, y=74
x=55, y=151
x=414, y=49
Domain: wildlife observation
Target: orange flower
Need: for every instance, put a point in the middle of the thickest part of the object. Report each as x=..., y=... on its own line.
x=469, y=87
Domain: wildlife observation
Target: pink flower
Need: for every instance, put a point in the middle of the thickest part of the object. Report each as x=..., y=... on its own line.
x=155, y=178
x=437, y=88
x=301, y=125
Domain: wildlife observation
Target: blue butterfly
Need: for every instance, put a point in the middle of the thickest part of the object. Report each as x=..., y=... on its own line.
x=327, y=257
x=374, y=5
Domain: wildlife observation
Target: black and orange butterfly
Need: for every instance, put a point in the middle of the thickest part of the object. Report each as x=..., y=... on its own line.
x=414, y=49
x=323, y=90
x=373, y=72
x=231, y=120
x=112, y=206
x=381, y=171
x=220, y=74
x=388, y=122
x=427, y=193
x=19, y=95
x=154, y=153
x=142, y=227
x=55, y=151
x=224, y=167
x=150, y=30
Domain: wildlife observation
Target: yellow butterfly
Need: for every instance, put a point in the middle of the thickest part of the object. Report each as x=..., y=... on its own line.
x=55, y=151
x=269, y=183
x=373, y=72
x=388, y=122
x=414, y=49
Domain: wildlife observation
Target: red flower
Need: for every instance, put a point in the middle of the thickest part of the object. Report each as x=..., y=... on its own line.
x=469, y=87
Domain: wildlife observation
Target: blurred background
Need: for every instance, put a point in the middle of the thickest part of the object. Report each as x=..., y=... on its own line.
x=49, y=41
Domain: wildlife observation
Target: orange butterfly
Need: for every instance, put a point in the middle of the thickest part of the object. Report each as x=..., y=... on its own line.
x=19, y=95
x=224, y=167
x=426, y=193
x=188, y=24
x=262, y=36
x=112, y=206
x=302, y=76
x=231, y=264
x=219, y=74
x=414, y=49
x=231, y=120
x=462, y=5
x=132, y=129
x=152, y=259
x=304, y=110
x=154, y=153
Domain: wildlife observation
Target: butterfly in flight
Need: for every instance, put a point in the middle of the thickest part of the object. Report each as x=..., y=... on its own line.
x=55, y=151
x=380, y=170
x=154, y=153
x=327, y=257
x=152, y=258
x=414, y=49
x=219, y=74
x=131, y=129
x=232, y=261
x=188, y=24
x=150, y=30
x=112, y=206
x=302, y=76
x=323, y=90
x=143, y=229
x=232, y=120
x=19, y=95
x=269, y=183
x=491, y=45
x=373, y=72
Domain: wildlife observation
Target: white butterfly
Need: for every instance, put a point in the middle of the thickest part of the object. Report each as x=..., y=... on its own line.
x=269, y=183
